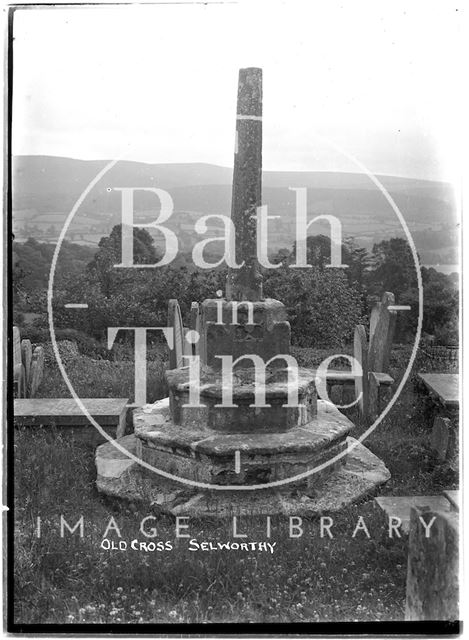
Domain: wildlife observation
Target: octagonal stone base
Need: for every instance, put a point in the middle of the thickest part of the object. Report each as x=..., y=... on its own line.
x=201, y=454
x=121, y=477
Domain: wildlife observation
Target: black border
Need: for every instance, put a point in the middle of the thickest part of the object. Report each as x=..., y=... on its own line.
x=427, y=628
x=398, y=628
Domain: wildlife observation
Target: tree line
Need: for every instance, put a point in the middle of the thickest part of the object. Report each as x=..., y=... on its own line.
x=324, y=304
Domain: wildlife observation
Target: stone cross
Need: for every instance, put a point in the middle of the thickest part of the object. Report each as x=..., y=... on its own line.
x=245, y=283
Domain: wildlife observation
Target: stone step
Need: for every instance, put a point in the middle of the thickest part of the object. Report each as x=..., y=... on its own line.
x=64, y=413
x=400, y=506
x=120, y=476
x=111, y=462
x=202, y=454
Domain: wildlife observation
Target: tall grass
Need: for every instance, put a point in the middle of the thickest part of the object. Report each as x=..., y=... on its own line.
x=99, y=378
x=74, y=580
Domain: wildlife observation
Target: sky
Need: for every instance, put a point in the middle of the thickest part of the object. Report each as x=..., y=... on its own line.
x=377, y=81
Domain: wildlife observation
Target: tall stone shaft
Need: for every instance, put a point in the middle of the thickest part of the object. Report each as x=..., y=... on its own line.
x=246, y=281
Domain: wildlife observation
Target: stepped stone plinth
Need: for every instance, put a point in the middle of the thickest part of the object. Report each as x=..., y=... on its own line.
x=246, y=414
x=121, y=477
x=199, y=453
x=242, y=430
x=245, y=332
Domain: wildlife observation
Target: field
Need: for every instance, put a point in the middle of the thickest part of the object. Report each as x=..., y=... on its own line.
x=71, y=579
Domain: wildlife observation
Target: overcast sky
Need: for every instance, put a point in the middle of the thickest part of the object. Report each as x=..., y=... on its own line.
x=378, y=79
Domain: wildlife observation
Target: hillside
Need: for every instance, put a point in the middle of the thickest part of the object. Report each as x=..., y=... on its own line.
x=46, y=188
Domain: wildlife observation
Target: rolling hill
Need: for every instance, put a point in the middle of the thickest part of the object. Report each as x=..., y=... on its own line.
x=46, y=188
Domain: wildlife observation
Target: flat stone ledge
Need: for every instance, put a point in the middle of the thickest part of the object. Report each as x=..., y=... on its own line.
x=362, y=474
x=241, y=386
x=65, y=412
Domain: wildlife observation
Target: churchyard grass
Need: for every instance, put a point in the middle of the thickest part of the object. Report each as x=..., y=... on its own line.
x=99, y=378
x=74, y=580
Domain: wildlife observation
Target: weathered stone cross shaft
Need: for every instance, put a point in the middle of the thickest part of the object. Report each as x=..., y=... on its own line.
x=246, y=282
x=251, y=325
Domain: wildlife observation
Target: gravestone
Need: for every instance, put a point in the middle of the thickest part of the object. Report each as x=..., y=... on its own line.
x=242, y=441
x=390, y=338
x=382, y=324
x=360, y=352
x=175, y=322
x=16, y=347
x=37, y=370
x=373, y=396
x=432, y=590
x=441, y=438
x=374, y=316
x=20, y=381
x=19, y=376
x=26, y=357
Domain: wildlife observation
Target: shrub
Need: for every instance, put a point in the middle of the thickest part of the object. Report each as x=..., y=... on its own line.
x=323, y=308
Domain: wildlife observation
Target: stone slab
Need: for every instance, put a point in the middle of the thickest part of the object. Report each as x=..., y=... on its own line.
x=336, y=376
x=362, y=474
x=442, y=386
x=111, y=462
x=64, y=412
x=400, y=506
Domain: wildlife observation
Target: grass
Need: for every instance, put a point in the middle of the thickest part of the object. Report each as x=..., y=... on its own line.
x=98, y=378
x=74, y=580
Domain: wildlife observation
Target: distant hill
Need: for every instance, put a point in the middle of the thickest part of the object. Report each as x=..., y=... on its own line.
x=46, y=188
x=43, y=177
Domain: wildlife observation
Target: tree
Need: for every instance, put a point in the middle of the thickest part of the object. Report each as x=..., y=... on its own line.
x=323, y=308
x=441, y=302
x=393, y=268
x=102, y=268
